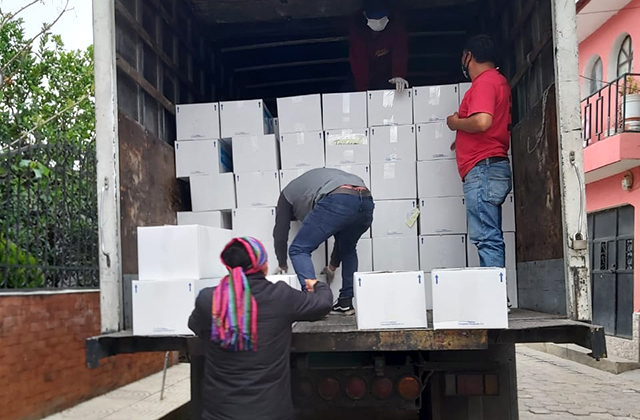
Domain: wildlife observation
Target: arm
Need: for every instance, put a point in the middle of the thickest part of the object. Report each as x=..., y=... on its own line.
x=200, y=319
x=482, y=103
x=359, y=60
x=311, y=306
x=284, y=216
x=400, y=50
x=477, y=123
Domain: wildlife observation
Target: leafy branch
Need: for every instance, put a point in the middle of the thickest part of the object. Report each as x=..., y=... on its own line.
x=45, y=28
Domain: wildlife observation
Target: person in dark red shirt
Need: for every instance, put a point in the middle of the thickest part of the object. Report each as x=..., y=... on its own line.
x=482, y=146
x=378, y=48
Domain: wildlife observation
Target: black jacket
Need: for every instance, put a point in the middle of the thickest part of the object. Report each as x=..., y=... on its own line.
x=256, y=385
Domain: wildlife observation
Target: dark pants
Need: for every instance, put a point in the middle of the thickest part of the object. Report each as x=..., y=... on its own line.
x=344, y=216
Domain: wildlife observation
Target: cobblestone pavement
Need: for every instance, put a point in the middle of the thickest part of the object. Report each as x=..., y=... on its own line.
x=551, y=388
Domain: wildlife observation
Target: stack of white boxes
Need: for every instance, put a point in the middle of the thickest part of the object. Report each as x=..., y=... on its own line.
x=443, y=218
x=347, y=146
x=203, y=159
x=393, y=181
x=301, y=140
x=174, y=264
x=398, y=143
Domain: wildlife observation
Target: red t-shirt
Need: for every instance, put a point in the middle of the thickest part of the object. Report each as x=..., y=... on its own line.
x=490, y=94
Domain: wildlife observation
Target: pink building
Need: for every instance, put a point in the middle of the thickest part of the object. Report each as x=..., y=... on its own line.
x=608, y=32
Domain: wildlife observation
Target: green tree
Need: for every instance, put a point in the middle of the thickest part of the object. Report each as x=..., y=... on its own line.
x=48, y=206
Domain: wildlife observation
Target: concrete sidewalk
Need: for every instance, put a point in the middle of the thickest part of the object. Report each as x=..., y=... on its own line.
x=139, y=400
x=552, y=388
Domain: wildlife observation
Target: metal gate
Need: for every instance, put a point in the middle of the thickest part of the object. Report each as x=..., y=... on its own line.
x=611, y=251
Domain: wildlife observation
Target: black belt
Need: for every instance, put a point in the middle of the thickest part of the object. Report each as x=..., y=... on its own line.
x=349, y=191
x=489, y=161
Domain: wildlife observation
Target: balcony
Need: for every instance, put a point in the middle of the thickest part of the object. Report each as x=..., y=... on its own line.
x=611, y=128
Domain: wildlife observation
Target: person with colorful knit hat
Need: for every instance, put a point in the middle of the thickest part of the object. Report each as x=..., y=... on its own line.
x=245, y=325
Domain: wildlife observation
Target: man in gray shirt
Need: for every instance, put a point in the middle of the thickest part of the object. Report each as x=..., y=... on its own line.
x=329, y=202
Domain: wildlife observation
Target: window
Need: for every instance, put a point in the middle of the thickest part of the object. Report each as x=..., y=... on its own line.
x=595, y=78
x=625, y=57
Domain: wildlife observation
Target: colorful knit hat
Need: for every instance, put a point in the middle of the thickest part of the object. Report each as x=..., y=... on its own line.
x=234, y=310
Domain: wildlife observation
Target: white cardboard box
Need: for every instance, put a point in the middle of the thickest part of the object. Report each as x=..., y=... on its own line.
x=390, y=300
x=443, y=216
x=202, y=157
x=302, y=150
x=163, y=307
x=344, y=110
x=318, y=257
x=393, y=144
x=288, y=175
x=215, y=219
x=463, y=88
x=469, y=298
x=443, y=251
x=365, y=262
x=239, y=118
x=300, y=113
x=388, y=107
x=439, y=178
x=197, y=121
x=347, y=147
x=257, y=222
x=391, y=218
x=510, y=252
x=434, y=141
x=255, y=153
x=509, y=214
x=213, y=192
x=291, y=281
x=393, y=180
x=181, y=252
x=438, y=252
x=258, y=189
x=398, y=253
x=434, y=103
x=362, y=171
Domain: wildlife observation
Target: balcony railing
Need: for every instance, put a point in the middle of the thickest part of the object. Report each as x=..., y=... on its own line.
x=612, y=110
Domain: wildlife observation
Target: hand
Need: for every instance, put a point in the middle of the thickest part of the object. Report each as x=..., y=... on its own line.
x=310, y=285
x=452, y=121
x=401, y=84
x=281, y=271
x=453, y=146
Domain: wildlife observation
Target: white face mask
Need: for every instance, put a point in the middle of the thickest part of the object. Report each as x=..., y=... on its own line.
x=378, y=25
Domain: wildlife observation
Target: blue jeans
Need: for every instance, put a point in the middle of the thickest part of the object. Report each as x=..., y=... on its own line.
x=344, y=216
x=485, y=189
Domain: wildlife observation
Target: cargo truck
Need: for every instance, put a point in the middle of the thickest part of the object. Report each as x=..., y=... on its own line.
x=152, y=54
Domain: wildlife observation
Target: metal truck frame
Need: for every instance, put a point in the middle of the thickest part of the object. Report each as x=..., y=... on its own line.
x=552, y=259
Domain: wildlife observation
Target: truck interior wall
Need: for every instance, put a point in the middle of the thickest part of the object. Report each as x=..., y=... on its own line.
x=526, y=35
x=161, y=61
x=184, y=51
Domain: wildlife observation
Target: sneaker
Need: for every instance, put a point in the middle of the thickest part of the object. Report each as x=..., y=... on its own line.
x=327, y=271
x=343, y=307
x=508, y=306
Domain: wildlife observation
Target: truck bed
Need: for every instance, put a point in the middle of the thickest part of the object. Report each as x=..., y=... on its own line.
x=340, y=334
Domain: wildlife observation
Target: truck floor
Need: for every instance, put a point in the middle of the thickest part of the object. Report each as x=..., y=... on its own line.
x=340, y=334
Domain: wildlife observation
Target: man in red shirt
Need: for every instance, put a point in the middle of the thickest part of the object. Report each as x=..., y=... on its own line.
x=482, y=146
x=378, y=48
